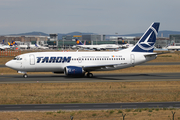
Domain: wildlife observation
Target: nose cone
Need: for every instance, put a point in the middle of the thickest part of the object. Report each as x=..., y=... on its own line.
x=13, y=65
x=8, y=64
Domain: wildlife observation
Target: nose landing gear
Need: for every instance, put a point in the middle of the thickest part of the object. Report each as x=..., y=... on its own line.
x=22, y=72
x=25, y=76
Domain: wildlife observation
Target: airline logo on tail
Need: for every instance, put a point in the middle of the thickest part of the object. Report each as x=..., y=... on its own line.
x=147, y=41
x=12, y=43
x=78, y=42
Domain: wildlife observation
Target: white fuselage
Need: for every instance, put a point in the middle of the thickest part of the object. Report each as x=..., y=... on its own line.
x=53, y=61
x=2, y=47
x=173, y=47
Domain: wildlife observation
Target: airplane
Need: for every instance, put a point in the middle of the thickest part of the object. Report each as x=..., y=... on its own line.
x=81, y=63
x=40, y=47
x=3, y=47
x=177, y=48
x=174, y=46
x=127, y=45
x=30, y=46
x=95, y=47
x=77, y=44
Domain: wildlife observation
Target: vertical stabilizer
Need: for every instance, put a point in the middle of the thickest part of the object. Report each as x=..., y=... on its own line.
x=2, y=42
x=147, y=41
x=78, y=42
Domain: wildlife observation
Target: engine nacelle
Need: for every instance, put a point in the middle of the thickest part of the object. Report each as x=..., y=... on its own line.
x=73, y=70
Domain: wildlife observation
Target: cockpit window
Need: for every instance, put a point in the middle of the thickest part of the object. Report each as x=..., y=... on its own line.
x=17, y=58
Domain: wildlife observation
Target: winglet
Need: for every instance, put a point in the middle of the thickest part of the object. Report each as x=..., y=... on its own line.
x=147, y=41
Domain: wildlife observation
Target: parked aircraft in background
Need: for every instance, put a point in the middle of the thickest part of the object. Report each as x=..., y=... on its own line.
x=77, y=44
x=41, y=47
x=95, y=47
x=30, y=46
x=3, y=47
x=174, y=47
x=127, y=45
x=80, y=63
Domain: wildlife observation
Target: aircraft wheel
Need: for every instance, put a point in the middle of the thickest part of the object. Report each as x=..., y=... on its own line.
x=25, y=75
x=90, y=75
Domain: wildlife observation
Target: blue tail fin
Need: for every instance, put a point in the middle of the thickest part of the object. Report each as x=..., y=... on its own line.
x=78, y=42
x=2, y=42
x=147, y=41
x=14, y=43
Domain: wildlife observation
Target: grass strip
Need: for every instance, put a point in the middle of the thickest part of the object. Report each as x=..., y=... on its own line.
x=105, y=92
x=130, y=114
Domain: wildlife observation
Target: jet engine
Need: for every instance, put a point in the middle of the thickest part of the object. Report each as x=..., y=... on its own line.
x=73, y=70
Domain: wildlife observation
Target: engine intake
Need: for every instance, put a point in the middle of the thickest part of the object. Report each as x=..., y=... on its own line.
x=73, y=70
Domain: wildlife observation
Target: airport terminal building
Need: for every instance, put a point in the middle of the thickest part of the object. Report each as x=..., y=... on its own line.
x=67, y=41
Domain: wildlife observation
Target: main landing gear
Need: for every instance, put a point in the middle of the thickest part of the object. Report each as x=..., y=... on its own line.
x=89, y=75
x=25, y=76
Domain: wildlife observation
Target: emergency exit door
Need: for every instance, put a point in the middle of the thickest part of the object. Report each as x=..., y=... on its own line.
x=132, y=59
x=32, y=59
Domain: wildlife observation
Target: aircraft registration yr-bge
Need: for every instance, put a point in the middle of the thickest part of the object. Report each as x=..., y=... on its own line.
x=80, y=63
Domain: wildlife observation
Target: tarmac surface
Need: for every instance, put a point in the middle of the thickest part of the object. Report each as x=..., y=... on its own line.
x=56, y=78
x=88, y=106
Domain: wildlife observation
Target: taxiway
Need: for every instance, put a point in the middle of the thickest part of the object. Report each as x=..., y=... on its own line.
x=56, y=78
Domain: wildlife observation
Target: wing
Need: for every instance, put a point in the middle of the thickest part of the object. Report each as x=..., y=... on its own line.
x=95, y=67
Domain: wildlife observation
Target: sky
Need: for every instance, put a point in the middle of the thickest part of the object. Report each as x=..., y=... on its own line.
x=95, y=16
